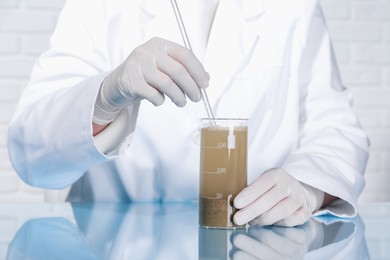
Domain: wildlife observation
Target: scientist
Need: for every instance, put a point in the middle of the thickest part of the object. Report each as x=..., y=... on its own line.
x=97, y=112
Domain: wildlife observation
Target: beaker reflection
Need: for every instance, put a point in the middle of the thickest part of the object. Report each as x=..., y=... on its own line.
x=217, y=243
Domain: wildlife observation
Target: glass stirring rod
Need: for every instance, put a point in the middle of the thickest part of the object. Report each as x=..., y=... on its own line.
x=188, y=46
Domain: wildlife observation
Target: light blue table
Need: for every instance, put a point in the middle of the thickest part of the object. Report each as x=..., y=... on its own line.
x=171, y=231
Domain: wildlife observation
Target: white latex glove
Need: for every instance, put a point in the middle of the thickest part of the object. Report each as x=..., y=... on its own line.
x=153, y=70
x=277, y=198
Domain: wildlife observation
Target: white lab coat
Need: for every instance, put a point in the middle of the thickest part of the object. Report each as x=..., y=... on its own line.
x=269, y=60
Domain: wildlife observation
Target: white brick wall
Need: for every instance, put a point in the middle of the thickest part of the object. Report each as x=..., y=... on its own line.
x=361, y=33
x=25, y=29
x=360, y=30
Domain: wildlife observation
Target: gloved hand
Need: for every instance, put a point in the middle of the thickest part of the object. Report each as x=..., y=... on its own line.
x=277, y=198
x=153, y=70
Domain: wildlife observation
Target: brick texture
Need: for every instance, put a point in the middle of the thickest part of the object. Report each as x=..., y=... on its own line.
x=361, y=36
x=25, y=30
x=360, y=30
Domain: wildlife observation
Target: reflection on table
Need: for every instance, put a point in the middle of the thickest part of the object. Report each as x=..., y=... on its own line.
x=171, y=231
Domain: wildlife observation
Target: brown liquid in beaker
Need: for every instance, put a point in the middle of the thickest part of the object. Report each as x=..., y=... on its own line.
x=223, y=175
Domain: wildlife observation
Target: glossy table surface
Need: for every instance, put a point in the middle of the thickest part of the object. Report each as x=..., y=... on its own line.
x=171, y=231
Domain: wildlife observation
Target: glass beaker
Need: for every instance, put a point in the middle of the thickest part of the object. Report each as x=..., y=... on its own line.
x=223, y=169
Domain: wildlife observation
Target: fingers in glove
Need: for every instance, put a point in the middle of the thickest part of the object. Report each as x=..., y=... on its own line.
x=261, y=205
x=251, y=193
x=180, y=76
x=139, y=87
x=165, y=85
x=188, y=59
x=280, y=211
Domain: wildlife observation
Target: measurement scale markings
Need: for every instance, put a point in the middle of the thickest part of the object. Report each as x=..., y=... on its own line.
x=214, y=172
x=219, y=145
x=218, y=196
x=211, y=198
x=221, y=170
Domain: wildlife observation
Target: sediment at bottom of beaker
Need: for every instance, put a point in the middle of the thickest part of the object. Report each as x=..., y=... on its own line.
x=216, y=213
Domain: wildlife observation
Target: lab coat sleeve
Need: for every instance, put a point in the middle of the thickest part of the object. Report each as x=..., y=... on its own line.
x=50, y=139
x=333, y=149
